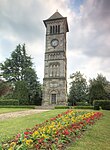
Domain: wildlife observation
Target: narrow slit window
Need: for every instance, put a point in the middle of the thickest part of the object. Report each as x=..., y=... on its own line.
x=58, y=28
x=50, y=29
x=53, y=29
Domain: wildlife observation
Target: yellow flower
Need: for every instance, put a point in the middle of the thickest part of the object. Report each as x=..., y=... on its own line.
x=44, y=136
x=35, y=133
x=24, y=140
x=12, y=144
x=11, y=148
x=29, y=142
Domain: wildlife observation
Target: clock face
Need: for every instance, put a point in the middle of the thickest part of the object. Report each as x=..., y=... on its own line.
x=54, y=42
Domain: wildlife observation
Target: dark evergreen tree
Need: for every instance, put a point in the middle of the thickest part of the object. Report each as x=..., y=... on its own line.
x=5, y=88
x=21, y=92
x=18, y=70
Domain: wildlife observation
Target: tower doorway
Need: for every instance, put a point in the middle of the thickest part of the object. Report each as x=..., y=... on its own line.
x=53, y=99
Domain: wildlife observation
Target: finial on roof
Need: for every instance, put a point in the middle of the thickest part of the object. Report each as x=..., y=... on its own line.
x=57, y=10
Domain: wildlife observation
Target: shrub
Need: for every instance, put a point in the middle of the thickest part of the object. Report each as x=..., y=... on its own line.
x=83, y=107
x=82, y=104
x=18, y=106
x=96, y=107
x=61, y=107
x=9, y=102
x=104, y=104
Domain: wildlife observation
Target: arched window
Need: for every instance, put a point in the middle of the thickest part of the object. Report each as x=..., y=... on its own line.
x=54, y=70
x=50, y=71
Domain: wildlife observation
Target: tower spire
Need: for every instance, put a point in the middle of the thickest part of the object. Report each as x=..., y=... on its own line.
x=56, y=10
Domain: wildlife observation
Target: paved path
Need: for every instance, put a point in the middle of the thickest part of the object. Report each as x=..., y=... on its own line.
x=20, y=113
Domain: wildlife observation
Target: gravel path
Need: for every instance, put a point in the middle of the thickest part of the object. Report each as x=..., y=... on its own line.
x=20, y=113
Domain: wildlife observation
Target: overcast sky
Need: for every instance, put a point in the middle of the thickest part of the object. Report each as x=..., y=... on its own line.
x=88, y=40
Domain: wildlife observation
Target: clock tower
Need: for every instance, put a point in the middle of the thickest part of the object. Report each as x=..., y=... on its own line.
x=55, y=63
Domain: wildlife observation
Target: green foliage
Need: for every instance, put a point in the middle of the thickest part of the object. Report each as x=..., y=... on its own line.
x=78, y=89
x=18, y=106
x=97, y=92
x=9, y=102
x=5, y=88
x=82, y=104
x=19, y=72
x=15, y=66
x=104, y=104
x=62, y=107
x=107, y=90
x=21, y=92
x=83, y=107
x=96, y=88
x=96, y=107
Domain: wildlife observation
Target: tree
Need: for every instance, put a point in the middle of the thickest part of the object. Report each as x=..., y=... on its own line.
x=78, y=89
x=21, y=92
x=5, y=88
x=18, y=71
x=14, y=68
x=97, y=88
x=107, y=90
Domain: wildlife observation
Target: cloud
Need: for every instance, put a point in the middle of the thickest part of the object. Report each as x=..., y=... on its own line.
x=88, y=46
x=22, y=19
x=89, y=38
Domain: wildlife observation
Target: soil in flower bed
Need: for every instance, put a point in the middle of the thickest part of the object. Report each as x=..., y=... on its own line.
x=55, y=133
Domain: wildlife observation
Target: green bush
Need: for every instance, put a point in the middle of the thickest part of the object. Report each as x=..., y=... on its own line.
x=107, y=107
x=83, y=107
x=104, y=104
x=82, y=104
x=9, y=102
x=18, y=106
x=74, y=107
x=61, y=107
x=96, y=107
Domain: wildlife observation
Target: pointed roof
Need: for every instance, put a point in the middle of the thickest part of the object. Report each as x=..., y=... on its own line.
x=56, y=15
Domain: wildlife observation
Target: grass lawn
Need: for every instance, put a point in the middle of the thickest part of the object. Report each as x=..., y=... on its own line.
x=96, y=137
x=10, y=127
x=6, y=110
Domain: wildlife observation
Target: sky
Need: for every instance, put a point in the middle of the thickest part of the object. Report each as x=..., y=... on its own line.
x=88, y=39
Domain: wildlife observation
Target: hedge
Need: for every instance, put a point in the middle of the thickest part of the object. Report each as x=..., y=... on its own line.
x=83, y=107
x=18, y=106
x=104, y=104
x=9, y=102
x=62, y=107
x=82, y=104
x=74, y=107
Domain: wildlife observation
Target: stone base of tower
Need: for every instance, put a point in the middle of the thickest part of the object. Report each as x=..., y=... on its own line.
x=54, y=92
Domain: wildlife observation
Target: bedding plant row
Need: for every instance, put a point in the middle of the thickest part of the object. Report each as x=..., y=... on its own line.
x=55, y=133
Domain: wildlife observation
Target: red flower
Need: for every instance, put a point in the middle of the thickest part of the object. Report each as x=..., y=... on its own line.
x=26, y=133
x=41, y=140
x=66, y=132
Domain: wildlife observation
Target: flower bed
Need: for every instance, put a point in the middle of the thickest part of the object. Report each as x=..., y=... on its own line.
x=55, y=133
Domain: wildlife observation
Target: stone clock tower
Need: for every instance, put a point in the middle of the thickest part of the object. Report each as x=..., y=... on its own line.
x=55, y=69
